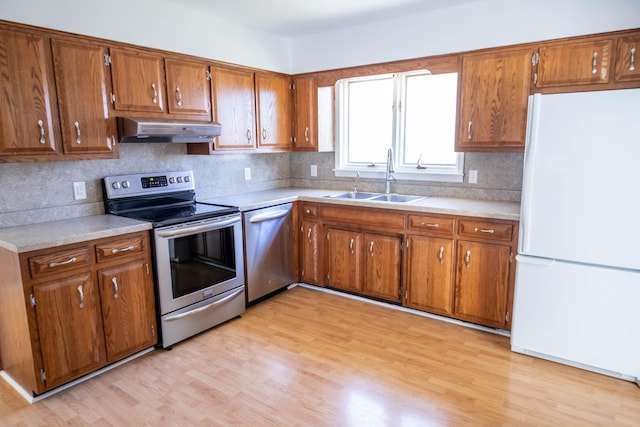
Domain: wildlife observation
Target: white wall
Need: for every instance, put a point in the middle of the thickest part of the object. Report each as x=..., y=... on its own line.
x=157, y=24
x=481, y=24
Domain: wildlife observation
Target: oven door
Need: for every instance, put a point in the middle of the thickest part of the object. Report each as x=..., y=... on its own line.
x=198, y=260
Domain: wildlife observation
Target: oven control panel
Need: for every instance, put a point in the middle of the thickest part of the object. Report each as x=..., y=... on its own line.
x=150, y=183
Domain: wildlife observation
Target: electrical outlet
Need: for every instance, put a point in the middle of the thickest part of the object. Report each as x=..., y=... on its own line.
x=79, y=190
x=314, y=170
x=473, y=177
x=247, y=174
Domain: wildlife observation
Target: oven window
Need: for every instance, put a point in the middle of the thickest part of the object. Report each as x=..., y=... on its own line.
x=201, y=260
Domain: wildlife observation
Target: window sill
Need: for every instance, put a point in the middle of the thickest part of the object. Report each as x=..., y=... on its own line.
x=422, y=175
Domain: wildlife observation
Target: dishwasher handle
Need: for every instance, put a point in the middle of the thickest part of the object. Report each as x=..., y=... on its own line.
x=269, y=216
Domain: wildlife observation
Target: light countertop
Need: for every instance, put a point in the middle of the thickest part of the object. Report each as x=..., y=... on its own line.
x=44, y=235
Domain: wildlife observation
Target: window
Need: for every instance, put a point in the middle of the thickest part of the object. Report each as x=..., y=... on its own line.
x=412, y=113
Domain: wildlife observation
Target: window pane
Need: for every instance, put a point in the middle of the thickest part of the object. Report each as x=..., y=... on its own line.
x=370, y=120
x=430, y=118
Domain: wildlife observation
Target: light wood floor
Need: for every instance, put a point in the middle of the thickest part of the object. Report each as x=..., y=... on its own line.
x=309, y=358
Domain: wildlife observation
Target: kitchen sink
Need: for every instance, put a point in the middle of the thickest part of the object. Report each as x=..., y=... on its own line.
x=376, y=197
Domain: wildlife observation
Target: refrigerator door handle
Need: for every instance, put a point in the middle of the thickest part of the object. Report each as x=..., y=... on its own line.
x=529, y=170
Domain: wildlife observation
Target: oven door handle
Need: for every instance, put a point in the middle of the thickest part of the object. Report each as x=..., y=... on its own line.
x=269, y=216
x=204, y=308
x=215, y=225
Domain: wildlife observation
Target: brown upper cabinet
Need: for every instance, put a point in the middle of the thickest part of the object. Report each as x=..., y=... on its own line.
x=628, y=59
x=188, y=88
x=306, y=114
x=28, y=117
x=574, y=63
x=138, y=81
x=494, y=90
x=83, y=87
x=273, y=101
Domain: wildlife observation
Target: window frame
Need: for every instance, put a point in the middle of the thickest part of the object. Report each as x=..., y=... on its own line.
x=432, y=172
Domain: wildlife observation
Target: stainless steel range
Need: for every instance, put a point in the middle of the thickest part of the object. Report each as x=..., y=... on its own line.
x=199, y=264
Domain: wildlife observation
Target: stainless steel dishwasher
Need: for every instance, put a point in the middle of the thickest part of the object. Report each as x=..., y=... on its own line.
x=268, y=234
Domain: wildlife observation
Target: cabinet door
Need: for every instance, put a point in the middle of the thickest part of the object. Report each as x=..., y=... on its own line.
x=574, y=64
x=345, y=260
x=382, y=266
x=83, y=86
x=310, y=253
x=188, y=88
x=138, y=80
x=493, y=101
x=70, y=328
x=273, y=100
x=430, y=274
x=234, y=108
x=482, y=278
x=128, y=309
x=628, y=59
x=27, y=95
x=305, y=138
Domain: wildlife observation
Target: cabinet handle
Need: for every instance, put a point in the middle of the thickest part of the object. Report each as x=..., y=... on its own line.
x=264, y=134
x=128, y=248
x=351, y=245
x=467, y=258
x=77, y=125
x=69, y=261
x=249, y=135
x=155, y=93
x=309, y=235
x=41, y=125
x=594, y=69
x=81, y=292
x=115, y=288
x=632, y=61
x=469, y=129
x=427, y=224
x=484, y=230
x=178, y=96
x=371, y=248
x=306, y=134
x=441, y=255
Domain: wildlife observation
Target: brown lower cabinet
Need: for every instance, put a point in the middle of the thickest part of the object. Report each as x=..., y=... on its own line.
x=68, y=311
x=455, y=266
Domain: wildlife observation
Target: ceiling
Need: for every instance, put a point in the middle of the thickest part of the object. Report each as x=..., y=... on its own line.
x=292, y=18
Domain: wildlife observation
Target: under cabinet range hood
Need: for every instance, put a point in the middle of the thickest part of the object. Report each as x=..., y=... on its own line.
x=154, y=130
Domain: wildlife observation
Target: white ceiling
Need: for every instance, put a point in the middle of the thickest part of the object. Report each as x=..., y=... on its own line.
x=293, y=18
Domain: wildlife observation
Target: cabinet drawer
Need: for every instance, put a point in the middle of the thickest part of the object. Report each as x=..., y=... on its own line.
x=309, y=211
x=119, y=248
x=364, y=217
x=55, y=262
x=487, y=230
x=431, y=224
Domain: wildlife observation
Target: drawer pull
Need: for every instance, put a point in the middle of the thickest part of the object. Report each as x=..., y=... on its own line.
x=594, y=69
x=115, y=287
x=632, y=61
x=484, y=230
x=128, y=248
x=467, y=258
x=351, y=245
x=427, y=224
x=57, y=264
x=441, y=255
x=81, y=292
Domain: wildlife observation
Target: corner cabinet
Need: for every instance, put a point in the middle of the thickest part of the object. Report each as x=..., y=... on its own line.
x=274, y=111
x=494, y=91
x=306, y=115
x=80, y=308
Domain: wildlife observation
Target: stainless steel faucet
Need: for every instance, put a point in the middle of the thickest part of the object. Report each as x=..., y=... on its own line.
x=389, y=178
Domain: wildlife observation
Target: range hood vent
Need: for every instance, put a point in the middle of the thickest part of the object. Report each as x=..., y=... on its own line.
x=154, y=130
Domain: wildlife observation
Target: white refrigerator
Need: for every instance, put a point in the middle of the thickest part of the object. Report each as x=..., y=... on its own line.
x=577, y=291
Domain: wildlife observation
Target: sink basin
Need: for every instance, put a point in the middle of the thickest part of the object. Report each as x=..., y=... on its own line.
x=398, y=198
x=359, y=195
x=376, y=197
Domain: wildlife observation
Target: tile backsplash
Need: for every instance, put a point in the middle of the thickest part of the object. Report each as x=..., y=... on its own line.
x=43, y=191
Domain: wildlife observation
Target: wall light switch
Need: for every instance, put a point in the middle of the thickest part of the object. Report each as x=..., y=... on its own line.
x=473, y=177
x=247, y=174
x=314, y=170
x=79, y=190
